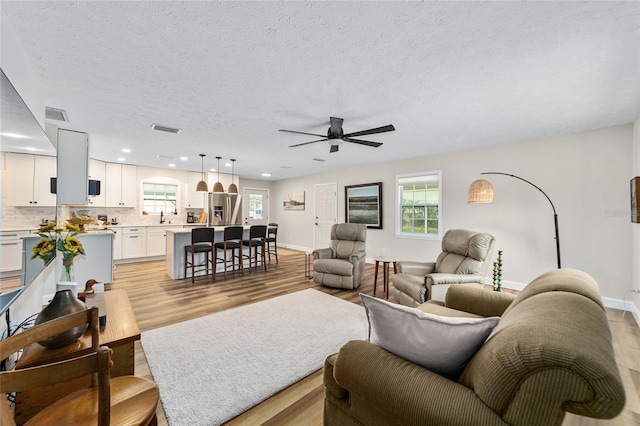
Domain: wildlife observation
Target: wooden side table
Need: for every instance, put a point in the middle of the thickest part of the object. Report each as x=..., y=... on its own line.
x=386, y=260
x=120, y=334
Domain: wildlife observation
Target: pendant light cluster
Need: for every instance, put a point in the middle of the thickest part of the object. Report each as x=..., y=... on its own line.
x=217, y=187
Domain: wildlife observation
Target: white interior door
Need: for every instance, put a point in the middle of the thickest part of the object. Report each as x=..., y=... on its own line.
x=255, y=206
x=326, y=212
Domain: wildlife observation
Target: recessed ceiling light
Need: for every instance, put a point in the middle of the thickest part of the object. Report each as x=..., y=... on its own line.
x=212, y=169
x=120, y=158
x=183, y=158
x=126, y=150
x=171, y=165
x=266, y=174
x=228, y=164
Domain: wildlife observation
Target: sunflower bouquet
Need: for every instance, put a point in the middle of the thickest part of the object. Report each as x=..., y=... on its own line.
x=62, y=239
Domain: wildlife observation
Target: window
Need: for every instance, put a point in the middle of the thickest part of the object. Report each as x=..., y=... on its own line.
x=160, y=197
x=418, y=206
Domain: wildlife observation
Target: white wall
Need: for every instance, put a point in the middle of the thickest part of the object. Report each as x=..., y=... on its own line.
x=586, y=175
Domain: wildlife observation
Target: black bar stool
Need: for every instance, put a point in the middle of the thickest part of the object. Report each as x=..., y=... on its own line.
x=201, y=242
x=255, y=243
x=272, y=239
x=231, y=240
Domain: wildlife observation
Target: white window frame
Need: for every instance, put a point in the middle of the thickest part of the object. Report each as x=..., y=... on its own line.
x=399, y=205
x=161, y=181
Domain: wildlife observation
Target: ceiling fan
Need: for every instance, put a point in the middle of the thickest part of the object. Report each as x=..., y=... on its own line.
x=335, y=132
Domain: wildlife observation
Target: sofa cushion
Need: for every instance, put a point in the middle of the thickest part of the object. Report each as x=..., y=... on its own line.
x=442, y=344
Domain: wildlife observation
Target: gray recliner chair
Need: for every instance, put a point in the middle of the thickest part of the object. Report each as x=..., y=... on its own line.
x=341, y=265
x=464, y=259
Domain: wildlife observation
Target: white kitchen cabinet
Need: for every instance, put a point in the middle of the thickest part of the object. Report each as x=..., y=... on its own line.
x=29, y=180
x=121, y=185
x=156, y=245
x=117, y=243
x=11, y=250
x=195, y=200
x=97, y=171
x=134, y=242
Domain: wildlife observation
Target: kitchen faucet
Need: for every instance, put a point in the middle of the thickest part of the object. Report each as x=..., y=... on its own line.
x=161, y=216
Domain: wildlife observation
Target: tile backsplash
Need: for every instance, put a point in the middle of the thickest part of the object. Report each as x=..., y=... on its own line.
x=31, y=217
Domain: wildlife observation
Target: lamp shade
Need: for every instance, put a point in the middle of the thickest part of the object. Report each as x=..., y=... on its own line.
x=202, y=185
x=233, y=188
x=217, y=187
x=481, y=191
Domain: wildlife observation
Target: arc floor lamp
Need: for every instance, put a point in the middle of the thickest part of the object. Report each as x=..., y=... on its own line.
x=481, y=191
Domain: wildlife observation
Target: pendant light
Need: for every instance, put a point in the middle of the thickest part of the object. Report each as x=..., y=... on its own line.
x=202, y=185
x=233, y=189
x=218, y=186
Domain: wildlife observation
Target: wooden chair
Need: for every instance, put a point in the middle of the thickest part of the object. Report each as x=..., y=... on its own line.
x=271, y=242
x=231, y=240
x=121, y=400
x=256, y=244
x=201, y=242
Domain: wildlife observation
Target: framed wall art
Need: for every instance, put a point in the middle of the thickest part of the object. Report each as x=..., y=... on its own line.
x=363, y=204
x=293, y=200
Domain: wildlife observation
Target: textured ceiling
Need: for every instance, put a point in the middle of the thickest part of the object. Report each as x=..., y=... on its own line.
x=448, y=75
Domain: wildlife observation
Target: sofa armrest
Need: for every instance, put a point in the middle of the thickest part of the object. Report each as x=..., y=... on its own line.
x=323, y=253
x=441, y=278
x=359, y=255
x=416, y=268
x=382, y=383
x=477, y=301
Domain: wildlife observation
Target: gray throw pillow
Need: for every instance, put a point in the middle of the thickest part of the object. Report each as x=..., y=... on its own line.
x=441, y=344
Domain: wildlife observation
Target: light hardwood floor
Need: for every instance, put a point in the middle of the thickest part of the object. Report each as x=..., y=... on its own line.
x=159, y=301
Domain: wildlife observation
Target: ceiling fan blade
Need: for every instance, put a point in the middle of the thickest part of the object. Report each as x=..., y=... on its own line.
x=334, y=148
x=336, y=125
x=388, y=128
x=307, y=143
x=361, y=142
x=302, y=133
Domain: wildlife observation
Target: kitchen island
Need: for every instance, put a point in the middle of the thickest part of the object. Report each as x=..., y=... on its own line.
x=179, y=238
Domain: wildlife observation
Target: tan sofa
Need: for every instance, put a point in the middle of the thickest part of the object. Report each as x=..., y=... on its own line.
x=550, y=353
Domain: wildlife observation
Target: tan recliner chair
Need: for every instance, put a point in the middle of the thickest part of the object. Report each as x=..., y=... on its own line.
x=464, y=259
x=341, y=265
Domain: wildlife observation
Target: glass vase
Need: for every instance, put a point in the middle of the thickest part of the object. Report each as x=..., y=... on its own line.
x=68, y=274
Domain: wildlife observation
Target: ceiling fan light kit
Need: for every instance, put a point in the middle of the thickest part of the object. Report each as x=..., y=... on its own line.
x=202, y=185
x=336, y=133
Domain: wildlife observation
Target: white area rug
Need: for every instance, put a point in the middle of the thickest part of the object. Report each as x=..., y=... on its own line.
x=213, y=368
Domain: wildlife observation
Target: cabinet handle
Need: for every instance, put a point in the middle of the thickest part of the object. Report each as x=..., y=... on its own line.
x=134, y=229
x=8, y=244
x=133, y=236
x=8, y=235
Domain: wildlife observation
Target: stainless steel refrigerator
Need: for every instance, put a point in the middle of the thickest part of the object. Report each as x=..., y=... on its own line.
x=224, y=209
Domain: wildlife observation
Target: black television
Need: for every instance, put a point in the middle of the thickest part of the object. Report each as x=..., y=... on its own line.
x=94, y=186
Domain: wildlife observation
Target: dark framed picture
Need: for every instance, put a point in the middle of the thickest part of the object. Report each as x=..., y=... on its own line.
x=635, y=199
x=363, y=204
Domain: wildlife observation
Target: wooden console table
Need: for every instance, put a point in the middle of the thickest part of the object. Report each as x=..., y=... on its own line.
x=120, y=334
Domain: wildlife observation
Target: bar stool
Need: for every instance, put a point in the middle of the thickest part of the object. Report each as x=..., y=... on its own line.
x=257, y=236
x=272, y=236
x=231, y=240
x=201, y=242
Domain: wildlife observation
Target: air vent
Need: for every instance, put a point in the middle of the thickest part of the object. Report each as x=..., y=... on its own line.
x=285, y=167
x=166, y=157
x=165, y=128
x=319, y=159
x=56, y=114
